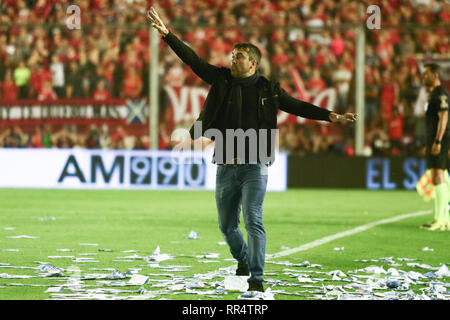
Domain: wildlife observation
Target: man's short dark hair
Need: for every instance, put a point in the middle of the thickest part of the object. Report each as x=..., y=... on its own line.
x=434, y=68
x=253, y=51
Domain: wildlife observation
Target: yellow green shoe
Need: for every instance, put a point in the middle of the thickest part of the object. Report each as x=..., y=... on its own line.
x=428, y=225
x=437, y=227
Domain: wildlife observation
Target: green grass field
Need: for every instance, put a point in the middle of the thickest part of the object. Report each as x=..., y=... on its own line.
x=142, y=220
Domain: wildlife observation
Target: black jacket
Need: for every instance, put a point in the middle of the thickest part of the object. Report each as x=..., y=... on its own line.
x=271, y=96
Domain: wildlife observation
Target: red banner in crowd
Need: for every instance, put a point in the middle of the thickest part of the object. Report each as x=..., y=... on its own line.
x=63, y=111
x=184, y=106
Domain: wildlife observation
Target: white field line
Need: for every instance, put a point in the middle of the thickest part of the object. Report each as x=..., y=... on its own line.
x=350, y=232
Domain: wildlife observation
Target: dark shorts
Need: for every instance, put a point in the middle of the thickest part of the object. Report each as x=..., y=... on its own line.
x=439, y=161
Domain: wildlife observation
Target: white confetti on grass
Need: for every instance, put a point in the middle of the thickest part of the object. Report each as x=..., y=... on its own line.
x=394, y=283
x=357, y=287
x=137, y=280
x=235, y=283
x=254, y=295
x=86, y=260
x=47, y=219
x=23, y=236
x=443, y=271
x=193, y=235
x=15, y=276
x=54, y=289
x=208, y=256
x=157, y=256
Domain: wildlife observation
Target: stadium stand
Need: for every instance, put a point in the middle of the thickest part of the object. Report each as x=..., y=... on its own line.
x=42, y=60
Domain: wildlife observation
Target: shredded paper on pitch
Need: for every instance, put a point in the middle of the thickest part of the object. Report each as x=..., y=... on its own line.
x=152, y=277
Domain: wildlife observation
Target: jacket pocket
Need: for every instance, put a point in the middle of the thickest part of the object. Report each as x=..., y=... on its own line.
x=269, y=108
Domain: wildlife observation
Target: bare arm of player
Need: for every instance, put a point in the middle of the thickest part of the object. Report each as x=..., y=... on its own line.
x=442, y=125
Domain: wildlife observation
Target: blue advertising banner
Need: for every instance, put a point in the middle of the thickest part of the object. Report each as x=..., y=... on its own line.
x=385, y=174
x=118, y=169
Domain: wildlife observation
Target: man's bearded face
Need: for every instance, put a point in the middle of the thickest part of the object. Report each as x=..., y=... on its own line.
x=428, y=77
x=240, y=62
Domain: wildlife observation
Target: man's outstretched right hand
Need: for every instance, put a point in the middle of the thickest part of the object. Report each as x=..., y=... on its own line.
x=156, y=21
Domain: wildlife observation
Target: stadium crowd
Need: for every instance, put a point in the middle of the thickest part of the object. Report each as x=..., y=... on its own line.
x=41, y=59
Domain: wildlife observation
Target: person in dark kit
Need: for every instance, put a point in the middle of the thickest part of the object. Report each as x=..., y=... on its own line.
x=437, y=145
x=239, y=100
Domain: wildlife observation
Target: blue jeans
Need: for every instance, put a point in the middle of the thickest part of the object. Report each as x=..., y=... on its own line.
x=236, y=186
